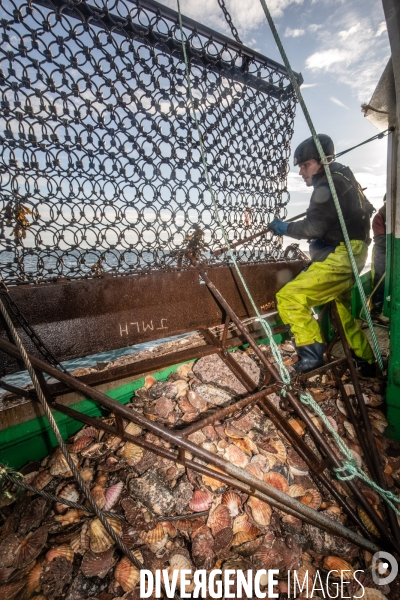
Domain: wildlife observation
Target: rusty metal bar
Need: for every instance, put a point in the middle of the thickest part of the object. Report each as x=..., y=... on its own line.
x=265, y=491
x=323, y=369
x=175, y=456
x=354, y=421
x=225, y=332
x=225, y=412
x=310, y=459
x=301, y=411
x=236, y=369
x=376, y=461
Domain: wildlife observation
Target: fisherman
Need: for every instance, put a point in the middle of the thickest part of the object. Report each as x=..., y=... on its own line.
x=379, y=260
x=330, y=276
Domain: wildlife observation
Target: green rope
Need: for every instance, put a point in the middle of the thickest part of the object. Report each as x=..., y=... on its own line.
x=349, y=466
x=349, y=469
x=321, y=152
x=284, y=373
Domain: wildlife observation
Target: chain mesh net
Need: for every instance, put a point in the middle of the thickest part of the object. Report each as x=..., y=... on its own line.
x=100, y=164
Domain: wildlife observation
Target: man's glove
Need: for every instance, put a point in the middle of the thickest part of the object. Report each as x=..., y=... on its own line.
x=279, y=227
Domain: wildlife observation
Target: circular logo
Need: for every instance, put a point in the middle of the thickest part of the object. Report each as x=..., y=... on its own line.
x=382, y=562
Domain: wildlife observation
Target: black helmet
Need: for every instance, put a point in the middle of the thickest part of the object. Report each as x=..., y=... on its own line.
x=307, y=150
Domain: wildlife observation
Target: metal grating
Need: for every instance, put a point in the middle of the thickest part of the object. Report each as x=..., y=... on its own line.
x=100, y=165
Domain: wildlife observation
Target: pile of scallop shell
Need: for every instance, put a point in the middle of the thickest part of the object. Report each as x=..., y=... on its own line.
x=49, y=551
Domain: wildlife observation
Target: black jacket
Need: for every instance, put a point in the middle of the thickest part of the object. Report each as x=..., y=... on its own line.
x=322, y=220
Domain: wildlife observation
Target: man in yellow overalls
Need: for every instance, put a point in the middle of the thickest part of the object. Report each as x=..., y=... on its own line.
x=330, y=276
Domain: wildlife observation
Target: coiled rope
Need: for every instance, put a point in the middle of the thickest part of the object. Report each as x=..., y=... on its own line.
x=348, y=466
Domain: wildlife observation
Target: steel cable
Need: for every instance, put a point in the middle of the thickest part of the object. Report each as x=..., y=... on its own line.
x=81, y=483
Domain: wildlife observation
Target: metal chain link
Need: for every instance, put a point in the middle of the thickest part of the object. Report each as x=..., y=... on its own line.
x=228, y=19
x=99, y=163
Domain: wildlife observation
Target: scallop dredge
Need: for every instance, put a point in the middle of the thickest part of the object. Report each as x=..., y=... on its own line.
x=173, y=518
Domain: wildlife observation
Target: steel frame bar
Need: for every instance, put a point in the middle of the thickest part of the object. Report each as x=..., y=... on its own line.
x=253, y=485
x=302, y=413
x=375, y=458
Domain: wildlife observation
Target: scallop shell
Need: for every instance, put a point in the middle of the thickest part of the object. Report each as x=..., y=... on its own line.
x=296, y=490
x=280, y=449
x=100, y=541
x=42, y=479
x=87, y=431
x=277, y=481
x=186, y=406
x=73, y=515
x=298, y=426
x=233, y=432
x=80, y=444
x=8, y=591
x=185, y=370
x=350, y=431
x=196, y=400
x=112, y=495
x=149, y=380
x=311, y=498
x=233, y=501
x=30, y=547
x=182, y=387
x=247, y=446
x=60, y=465
x=64, y=550
x=367, y=522
x=126, y=574
x=97, y=493
x=133, y=429
x=379, y=426
x=33, y=581
x=236, y=456
x=131, y=453
x=163, y=407
x=97, y=565
x=153, y=535
x=260, y=511
x=95, y=450
x=334, y=563
x=101, y=479
x=292, y=523
x=201, y=500
x=245, y=536
x=69, y=492
x=219, y=519
x=180, y=562
x=87, y=474
x=240, y=523
x=212, y=483
x=255, y=470
x=373, y=594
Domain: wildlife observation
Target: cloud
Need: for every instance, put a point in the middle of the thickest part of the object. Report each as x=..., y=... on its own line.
x=338, y=102
x=325, y=59
x=314, y=27
x=245, y=15
x=375, y=184
x=381, y=29
x=354, y=51
x=345, y=33
x=295, y=183
x=294, y=32
x=308, y=85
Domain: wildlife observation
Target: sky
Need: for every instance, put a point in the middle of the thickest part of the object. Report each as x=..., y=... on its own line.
x=341, y=48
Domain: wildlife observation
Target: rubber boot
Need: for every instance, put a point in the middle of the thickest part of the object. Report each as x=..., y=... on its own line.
x=311, y=357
